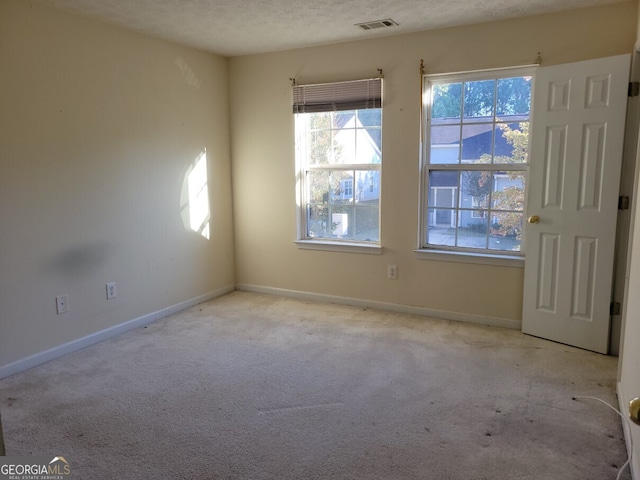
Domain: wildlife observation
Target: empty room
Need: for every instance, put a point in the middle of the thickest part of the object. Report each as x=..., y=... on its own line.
x=319, y=240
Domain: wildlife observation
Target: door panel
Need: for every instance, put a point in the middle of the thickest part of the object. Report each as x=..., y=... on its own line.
x=576, y=153
x=592, y=163
x=583, y=281
x=554, y=160
x=548, y=272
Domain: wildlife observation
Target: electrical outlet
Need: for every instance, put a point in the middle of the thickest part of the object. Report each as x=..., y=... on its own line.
x=111, y=290
x=62, y=304
x=392, y=272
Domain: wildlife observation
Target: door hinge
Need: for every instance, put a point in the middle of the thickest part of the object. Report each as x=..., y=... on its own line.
x=623, y=202
x=634, y=89
x=615, y=308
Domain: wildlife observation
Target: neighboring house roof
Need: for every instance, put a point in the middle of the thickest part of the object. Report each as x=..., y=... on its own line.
x=476, y=140
x=450, y=134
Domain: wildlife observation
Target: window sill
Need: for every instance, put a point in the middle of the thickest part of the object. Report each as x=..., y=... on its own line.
x=468, y=257
x=344, y=247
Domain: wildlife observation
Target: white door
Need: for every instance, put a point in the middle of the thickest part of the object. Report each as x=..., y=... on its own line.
x=576, y=154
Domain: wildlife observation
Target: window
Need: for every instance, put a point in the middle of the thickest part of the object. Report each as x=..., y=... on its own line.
x=339, y=157
x=476, y=161
x=347, y=188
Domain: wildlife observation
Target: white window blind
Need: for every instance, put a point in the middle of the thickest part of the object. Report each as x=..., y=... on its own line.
x=337, y=96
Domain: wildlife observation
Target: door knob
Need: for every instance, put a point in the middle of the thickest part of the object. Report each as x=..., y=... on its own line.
x=634, y=410
x=534, y=219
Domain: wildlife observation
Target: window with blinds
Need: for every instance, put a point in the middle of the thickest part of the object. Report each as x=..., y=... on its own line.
x=339, y=158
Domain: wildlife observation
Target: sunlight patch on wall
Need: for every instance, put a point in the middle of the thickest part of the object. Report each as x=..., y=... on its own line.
x=189, y=76
x=196, y=212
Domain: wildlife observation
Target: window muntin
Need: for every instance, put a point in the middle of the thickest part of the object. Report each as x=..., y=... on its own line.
x=340, y=156
x=476, y=161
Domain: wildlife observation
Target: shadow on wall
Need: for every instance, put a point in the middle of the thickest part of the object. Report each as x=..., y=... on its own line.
x=80, y=260
x=194, y=199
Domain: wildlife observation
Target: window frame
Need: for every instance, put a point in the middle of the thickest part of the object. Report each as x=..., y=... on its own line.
x=456, y=253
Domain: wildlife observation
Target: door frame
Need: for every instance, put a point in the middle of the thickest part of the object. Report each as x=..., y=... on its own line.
x=629, y=182
x=624, y=247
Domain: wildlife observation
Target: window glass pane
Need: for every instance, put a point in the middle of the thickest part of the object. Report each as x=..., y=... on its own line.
x=344, y=145
x=317, y=187
x=441, y=227
x=318, y=225
x=319, y=145
x=472, y=231
x=341, y=185
x=477, y=142
x=342, y=222
x=366, y=150
x=512, y=143
x=514, y=97
x=506, y=231
x=475, y=188
x=446, y=103
x=370, y=139
x=443, y=188
x=367, y=221
x=319, y=121
x=371, y=119
x=445, y=144
x=344, y=119
x=444, y=197
x=508, y=191
x=367, y=186
x=479, y=99
x=443, y=217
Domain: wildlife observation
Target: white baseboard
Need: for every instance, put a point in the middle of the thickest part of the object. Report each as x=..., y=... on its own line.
x=624, y=409
x=80, y=343
x=392, y=307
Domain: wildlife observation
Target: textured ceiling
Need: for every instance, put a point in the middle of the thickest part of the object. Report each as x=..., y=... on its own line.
x=239, y=27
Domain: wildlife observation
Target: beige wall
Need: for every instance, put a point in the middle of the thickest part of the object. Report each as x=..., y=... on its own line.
x=100, y=127
x=263, y=156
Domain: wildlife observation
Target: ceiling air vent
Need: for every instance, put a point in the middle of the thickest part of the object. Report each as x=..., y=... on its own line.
x=377, y=24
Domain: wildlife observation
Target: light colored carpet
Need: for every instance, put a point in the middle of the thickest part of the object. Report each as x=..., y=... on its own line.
x=253, y=387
